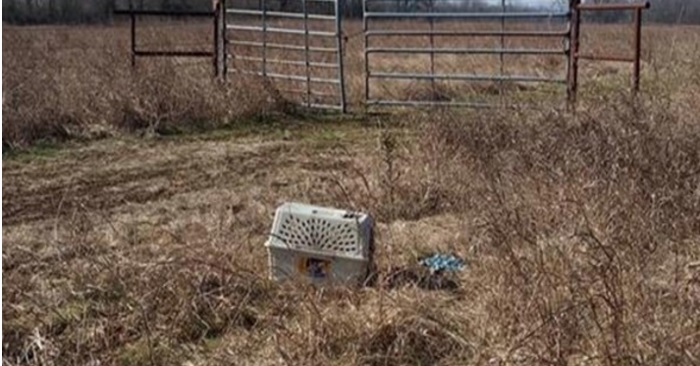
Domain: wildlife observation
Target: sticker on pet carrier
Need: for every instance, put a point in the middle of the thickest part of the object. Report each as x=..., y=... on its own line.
x=313, y=267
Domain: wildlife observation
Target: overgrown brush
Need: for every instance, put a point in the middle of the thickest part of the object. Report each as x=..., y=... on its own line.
x=77, y=87
x=587, y=224
x=579, y=232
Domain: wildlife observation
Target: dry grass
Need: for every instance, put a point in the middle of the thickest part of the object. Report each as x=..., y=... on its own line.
x=580, y=232
x=76, y=82
x=66, y=83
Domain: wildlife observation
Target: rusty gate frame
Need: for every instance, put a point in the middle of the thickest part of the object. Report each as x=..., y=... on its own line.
x=576, y=55
x=135, y=52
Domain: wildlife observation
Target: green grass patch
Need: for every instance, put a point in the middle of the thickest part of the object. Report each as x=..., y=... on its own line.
x=40, y=150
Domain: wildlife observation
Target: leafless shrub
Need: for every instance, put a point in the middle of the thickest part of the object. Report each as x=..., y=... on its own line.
x=598, y=182
x=86, y=89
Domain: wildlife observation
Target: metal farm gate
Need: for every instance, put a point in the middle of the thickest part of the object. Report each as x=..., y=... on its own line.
x=439, y=28
x=399, y=34
x=296, y=44
x=295, y=47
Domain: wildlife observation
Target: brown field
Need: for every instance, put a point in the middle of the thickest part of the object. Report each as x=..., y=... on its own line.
x=136, y=204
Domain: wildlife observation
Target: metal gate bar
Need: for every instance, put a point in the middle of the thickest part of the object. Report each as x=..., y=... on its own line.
x=444, y=33
x=432, y=50
x=280, y=14
x=136, y=52
x=281, y=46
x=287, y=62
x=281, y=30
x=289, y=77
x=310, y=76
x=470, y=51
x=519, y=15
x=471, y=77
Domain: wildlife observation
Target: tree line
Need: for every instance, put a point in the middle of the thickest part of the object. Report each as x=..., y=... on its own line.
x=100, y=11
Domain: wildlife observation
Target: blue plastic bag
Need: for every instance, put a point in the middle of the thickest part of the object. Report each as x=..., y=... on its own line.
x=442, y=262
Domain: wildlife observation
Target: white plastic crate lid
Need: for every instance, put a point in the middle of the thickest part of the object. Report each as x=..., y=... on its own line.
x=321, y=230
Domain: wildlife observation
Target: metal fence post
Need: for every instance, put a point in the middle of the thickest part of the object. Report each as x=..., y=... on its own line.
x=340, y=53
x=574, y=43
x=264, y=38
x=216, y=29
x=132, y=16
x=501, y=56
x=365, y=50
x=432, y=52
x=567, y=41
x=365, y=29
x=224, y=40
x=305, y=10
x=637, y=49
